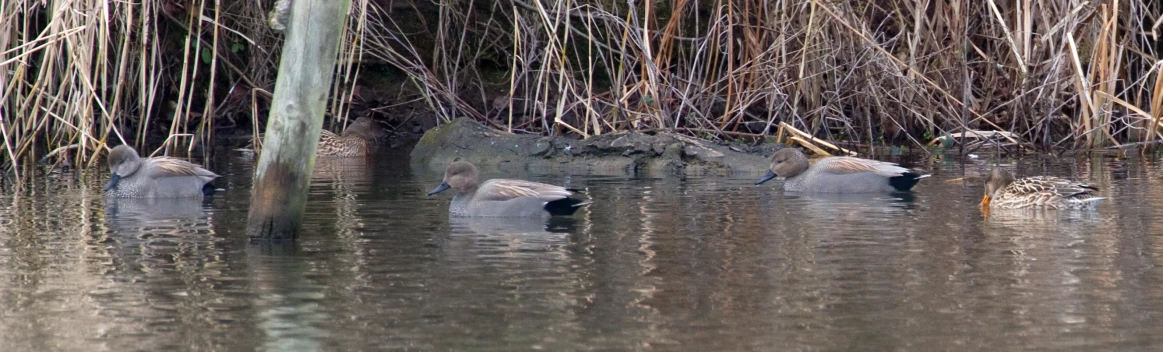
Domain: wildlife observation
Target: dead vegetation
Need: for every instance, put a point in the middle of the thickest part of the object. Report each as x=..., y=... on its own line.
x=1051, y=74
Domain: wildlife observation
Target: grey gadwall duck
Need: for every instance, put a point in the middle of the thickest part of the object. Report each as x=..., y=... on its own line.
x=838, y=174
x=503, y=197
x=1002, y=191
x=158, y=177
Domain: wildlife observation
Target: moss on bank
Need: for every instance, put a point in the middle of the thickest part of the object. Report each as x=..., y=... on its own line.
x=614, y=153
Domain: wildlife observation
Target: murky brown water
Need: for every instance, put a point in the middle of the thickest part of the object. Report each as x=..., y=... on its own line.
x=695, y=264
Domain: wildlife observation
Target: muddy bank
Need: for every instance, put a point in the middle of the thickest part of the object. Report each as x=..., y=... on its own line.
x=615, y=153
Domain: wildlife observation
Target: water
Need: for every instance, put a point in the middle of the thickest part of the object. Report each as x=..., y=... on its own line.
x=694, y=264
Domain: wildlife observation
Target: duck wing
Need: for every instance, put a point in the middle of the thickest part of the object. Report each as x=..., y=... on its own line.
x=161, y=167
x=505, y=189
x=1050, y=185
x=845, y=165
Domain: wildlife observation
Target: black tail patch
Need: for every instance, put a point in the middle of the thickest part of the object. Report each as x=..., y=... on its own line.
x=208, y=189
x=905, y=181
x=564, y=206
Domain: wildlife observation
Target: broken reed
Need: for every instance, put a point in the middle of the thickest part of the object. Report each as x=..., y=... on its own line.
x=1054, y=73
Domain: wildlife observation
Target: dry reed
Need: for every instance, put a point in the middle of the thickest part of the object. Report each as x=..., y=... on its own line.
x=1050, y=73
x=1054, y=74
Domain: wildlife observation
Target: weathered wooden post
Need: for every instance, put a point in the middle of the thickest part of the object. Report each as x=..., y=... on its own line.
x=288, y=152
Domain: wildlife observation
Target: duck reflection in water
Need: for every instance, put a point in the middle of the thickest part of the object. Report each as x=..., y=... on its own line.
x=487, y=225
x=511, y=236
x=155, y=216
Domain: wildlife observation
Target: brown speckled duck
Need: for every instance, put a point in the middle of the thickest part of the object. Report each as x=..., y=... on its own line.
x=159, y=177
x=838, y=174
x=356, y=140
x=1002, y=191
x=503, y=197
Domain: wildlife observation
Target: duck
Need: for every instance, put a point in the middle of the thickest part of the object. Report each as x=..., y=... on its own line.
x=838, y=174
x=158, y=177
x=355, y=140
x=1003, y=191
x=503, y=197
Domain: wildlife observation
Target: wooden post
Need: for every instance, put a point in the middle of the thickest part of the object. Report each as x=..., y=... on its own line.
x=288, y=152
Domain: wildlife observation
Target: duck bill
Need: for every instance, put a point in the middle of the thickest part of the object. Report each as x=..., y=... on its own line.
x=113, y=179
x=770, y=175
x=985, y=201
x=443, y=186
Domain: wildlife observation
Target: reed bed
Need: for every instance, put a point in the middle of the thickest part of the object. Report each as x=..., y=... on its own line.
x=1051, y=74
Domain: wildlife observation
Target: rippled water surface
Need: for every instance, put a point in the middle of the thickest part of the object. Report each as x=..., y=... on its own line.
x=705, y=263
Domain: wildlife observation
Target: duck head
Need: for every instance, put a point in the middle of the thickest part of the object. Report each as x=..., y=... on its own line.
x=123, y=162
x=997, y=180
x=787, y=162
x=460, y=175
